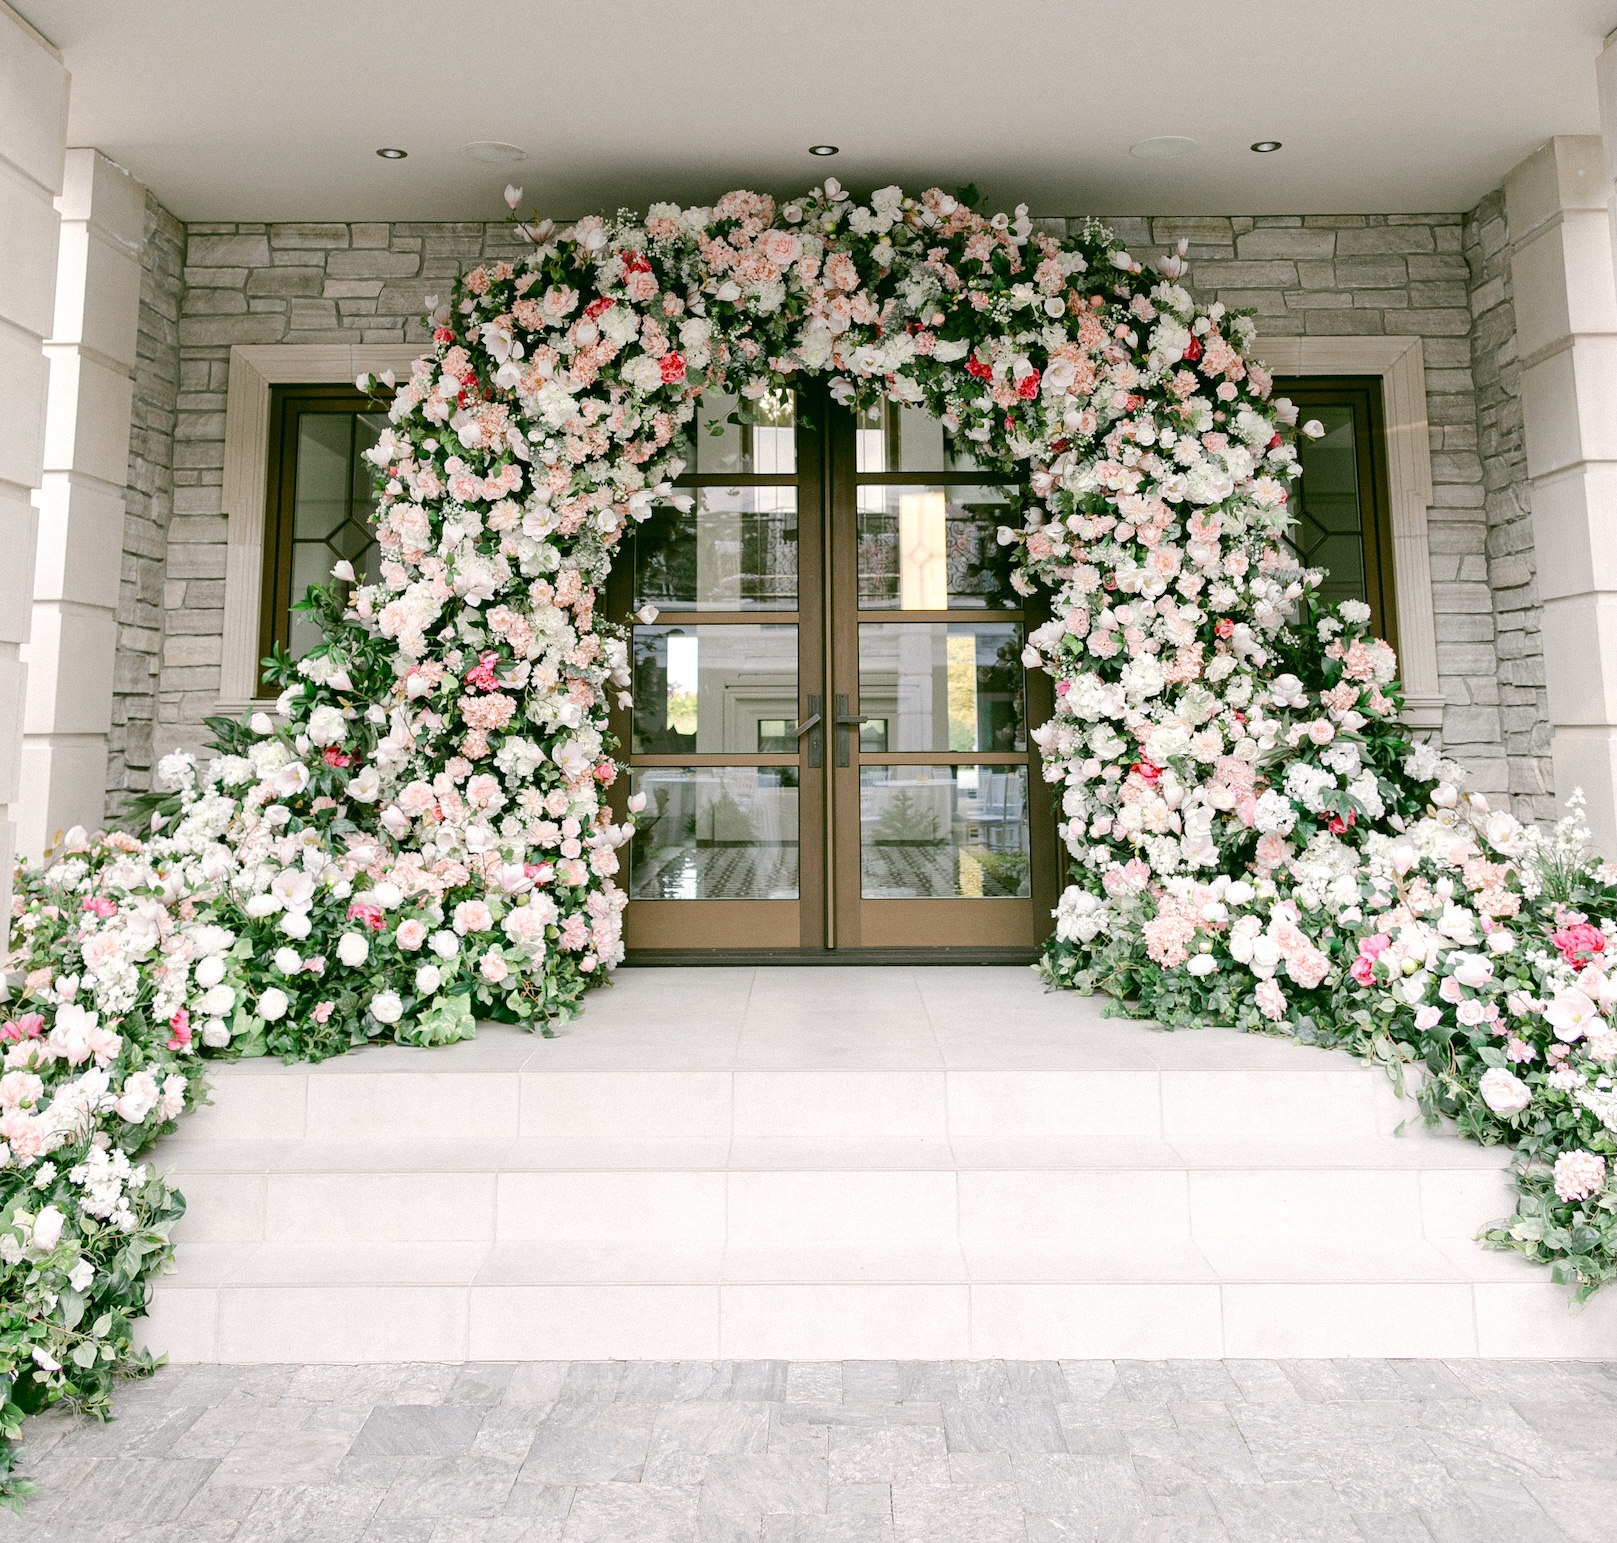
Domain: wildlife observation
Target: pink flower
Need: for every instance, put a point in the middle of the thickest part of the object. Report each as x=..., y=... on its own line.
x=1271, y=1000
x=364, y=911
x=323, y=1011
x=1580, y=939
x=481, y=674
x=1363, y=969
x=472, y=916
x=1579, y=1175
x=493, y=968
x=28, y=1026
x=100, y=906
x=180, y=1025
x=411, y=934
x=673, y=368
x=1428, y=1017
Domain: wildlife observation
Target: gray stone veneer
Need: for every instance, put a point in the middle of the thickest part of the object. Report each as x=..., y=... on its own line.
x=1419, y=275
x=148, y=507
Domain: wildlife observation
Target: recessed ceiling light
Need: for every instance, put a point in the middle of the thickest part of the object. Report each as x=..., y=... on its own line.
x=1165, y=147
x=822, y=149
x=1267, y=146
x=494, y=152
x=388, y=153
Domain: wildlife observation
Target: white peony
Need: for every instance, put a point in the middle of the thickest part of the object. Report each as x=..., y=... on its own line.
x=273, y=1003
x=327, y=725
x=353, y=948
x=387, y=1007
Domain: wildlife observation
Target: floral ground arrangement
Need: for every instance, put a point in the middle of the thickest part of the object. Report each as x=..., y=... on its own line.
x=424, y=832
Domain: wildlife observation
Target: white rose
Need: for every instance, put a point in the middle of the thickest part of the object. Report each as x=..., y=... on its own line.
x=273, y=1003
x=353, y=948
x=210, y=971
x=1503, y=1092
x=288, y=961
x=1202, y=964
x=216, y=1033
x=444, y=944
x=296, y=924
x=428, y=979
x=387, y=1007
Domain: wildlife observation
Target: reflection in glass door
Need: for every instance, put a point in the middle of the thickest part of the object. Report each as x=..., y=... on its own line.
x=830, y=713
x=935, y=840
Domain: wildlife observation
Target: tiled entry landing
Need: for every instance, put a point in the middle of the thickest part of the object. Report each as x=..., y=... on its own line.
x=824, y=1163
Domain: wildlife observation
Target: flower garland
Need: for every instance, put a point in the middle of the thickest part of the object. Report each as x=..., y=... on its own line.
x=421, y=833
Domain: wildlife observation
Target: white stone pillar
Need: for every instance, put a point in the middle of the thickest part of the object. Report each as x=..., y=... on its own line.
x=1566, y=334
x=33, y=136
x=72, y=650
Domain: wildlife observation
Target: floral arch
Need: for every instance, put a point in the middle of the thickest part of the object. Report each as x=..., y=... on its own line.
x=423, y=832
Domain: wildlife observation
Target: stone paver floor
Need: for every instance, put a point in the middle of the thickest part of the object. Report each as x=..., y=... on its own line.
x=1367, y=1451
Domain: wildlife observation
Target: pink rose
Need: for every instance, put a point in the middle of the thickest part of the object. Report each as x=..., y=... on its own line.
x=411, y=935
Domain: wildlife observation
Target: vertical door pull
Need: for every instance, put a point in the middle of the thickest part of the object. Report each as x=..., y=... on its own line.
x=811, y=727
x=845, y=721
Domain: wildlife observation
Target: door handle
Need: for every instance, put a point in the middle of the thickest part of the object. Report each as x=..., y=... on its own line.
x=811, y=727
x=844, y=721
x=852, y=722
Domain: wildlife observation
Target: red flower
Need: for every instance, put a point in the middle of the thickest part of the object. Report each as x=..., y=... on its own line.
x=1193, y=350
x=335, y=757
x=1028, y=386
x=1224, y=627
x=1274, y=444
x=1147, y=773
x=673, y=368
x=180, y=1023
x=636, y=262
x=444, y=335
x=370, y=915
x=975, y=367
x=606, y=773
x=1060, y=447
x=597, y=308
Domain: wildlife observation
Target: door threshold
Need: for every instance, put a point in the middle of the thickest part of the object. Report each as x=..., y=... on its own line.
x=721, y=957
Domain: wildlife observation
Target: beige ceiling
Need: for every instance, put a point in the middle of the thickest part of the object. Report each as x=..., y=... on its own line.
x=273, y=109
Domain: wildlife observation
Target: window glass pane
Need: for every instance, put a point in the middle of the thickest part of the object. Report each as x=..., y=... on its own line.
x=893, y=437
x=934, y=549
x=333, y=502
x=706, y=689
x=943, y=832
x=1329, y=533
x=941, y=685
x=715, y=833
x=766, y=447
x=735, y=550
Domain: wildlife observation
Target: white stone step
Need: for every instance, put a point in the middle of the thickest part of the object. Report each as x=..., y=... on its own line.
x=841, y=1163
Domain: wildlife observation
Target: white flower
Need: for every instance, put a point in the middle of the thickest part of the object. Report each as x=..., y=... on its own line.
x=80, y=1276
x=1202, y=964
x=427, y=979
x=366, y=786
x=327, y=726
x=1473, y=970
x=216, y=1033
x=1572, y=1015
x=353, y=948
x=288, y=961
x=1275, y=813
x=218, y=1001
x=444, y=944
x=387, y=1007
x=1503, y=1092
x=273, y=1003
x=47, y=1231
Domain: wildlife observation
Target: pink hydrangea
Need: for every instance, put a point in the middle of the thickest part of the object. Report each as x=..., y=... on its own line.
x=1579, y=1175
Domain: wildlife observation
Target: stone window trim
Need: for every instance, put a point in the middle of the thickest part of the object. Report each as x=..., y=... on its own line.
x=1398, y=361
x=1400, y=364
x=254, y=369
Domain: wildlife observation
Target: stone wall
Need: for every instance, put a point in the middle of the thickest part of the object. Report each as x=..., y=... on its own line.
x=285, y=284
x=148, y=507
x=1323, y=275
x=1496, y=370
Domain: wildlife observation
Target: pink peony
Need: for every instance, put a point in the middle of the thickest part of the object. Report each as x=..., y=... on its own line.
x=411, y=935
x=1271, y=1000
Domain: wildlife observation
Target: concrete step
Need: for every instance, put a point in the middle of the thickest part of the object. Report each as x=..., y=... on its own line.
x=841, y=1163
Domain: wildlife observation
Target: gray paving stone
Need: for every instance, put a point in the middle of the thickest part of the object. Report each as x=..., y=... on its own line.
x=632, y=1513
x=321, y=1513
x=418, y=1430
x=888, y=1454
x=438, y=1488
x=270, y=1457
x=957, y=1513
x=814, y=1382
x=590, y=1444
x=1033, y=1426
x=765, y=1484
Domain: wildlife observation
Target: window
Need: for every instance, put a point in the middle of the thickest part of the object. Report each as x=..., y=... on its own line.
x=318, y=505
x=1340, y=503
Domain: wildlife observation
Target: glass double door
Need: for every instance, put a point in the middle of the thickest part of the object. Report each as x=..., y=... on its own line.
x=829, y=714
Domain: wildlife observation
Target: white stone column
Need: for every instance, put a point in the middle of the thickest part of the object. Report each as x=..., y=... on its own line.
x=33, y=136
x=78, y=563
x=1566, y=334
